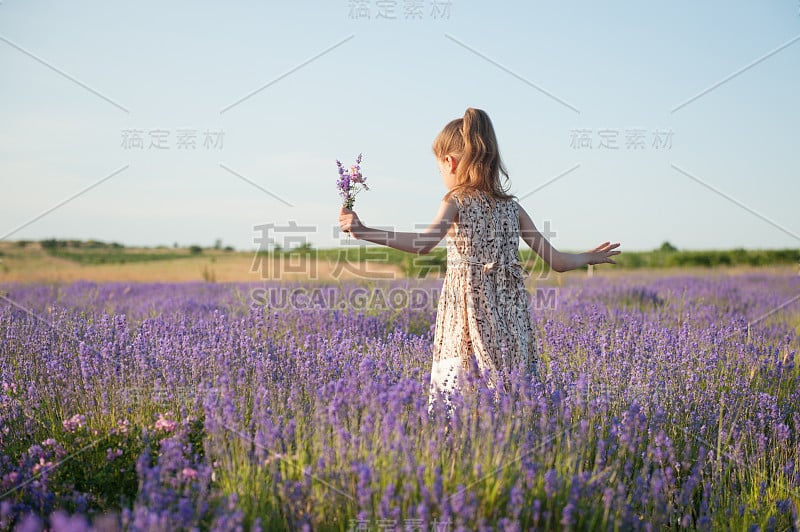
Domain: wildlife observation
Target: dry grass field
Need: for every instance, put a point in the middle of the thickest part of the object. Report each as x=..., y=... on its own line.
x=34, y=264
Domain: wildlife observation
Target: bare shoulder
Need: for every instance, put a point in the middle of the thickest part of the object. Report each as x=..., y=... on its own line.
x=524, y=219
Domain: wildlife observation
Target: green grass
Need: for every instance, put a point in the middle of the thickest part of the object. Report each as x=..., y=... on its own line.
x=115, y=256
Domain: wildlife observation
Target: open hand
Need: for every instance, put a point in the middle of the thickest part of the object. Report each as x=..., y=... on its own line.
x=349, y=222
x=603, y=253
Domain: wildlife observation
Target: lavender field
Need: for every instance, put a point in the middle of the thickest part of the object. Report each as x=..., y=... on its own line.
x=662, y=403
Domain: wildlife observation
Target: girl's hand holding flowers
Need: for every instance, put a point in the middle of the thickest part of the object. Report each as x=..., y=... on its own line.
x=349, y=222
x=350, y=182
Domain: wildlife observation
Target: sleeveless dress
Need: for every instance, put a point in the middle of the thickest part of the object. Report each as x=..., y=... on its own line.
x=483, y=316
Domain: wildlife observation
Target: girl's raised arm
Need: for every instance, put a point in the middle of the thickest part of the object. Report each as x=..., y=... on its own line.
x=562, y=262
x=411, y=242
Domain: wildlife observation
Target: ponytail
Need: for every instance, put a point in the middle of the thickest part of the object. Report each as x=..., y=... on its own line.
x=473, y=141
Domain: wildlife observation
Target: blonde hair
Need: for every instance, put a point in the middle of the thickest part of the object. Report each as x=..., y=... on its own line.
x=472, y=141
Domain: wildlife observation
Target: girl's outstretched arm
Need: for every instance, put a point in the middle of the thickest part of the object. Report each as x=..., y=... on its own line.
x=421, y=243
x=562, y=262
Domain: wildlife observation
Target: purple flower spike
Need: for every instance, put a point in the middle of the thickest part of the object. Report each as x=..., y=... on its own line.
x=350, y=182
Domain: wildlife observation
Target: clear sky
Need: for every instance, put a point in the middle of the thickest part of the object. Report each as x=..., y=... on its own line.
x=690, y=108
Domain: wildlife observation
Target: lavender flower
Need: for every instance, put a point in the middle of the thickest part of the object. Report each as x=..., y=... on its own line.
x=75, y=422
x=199, y=397
x=350, y=182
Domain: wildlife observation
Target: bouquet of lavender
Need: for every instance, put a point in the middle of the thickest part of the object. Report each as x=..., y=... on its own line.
x=350, y=182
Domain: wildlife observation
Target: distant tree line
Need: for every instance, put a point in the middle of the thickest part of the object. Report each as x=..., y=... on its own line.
x=52, y=243
x=668, y=256
x=98, y=252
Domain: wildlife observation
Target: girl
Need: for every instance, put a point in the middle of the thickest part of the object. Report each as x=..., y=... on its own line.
x=483, y=318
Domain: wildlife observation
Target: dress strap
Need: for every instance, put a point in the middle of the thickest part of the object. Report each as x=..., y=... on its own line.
x=459, y=200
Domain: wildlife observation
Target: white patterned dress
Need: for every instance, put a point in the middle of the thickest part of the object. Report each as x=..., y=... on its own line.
x=483, y=318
